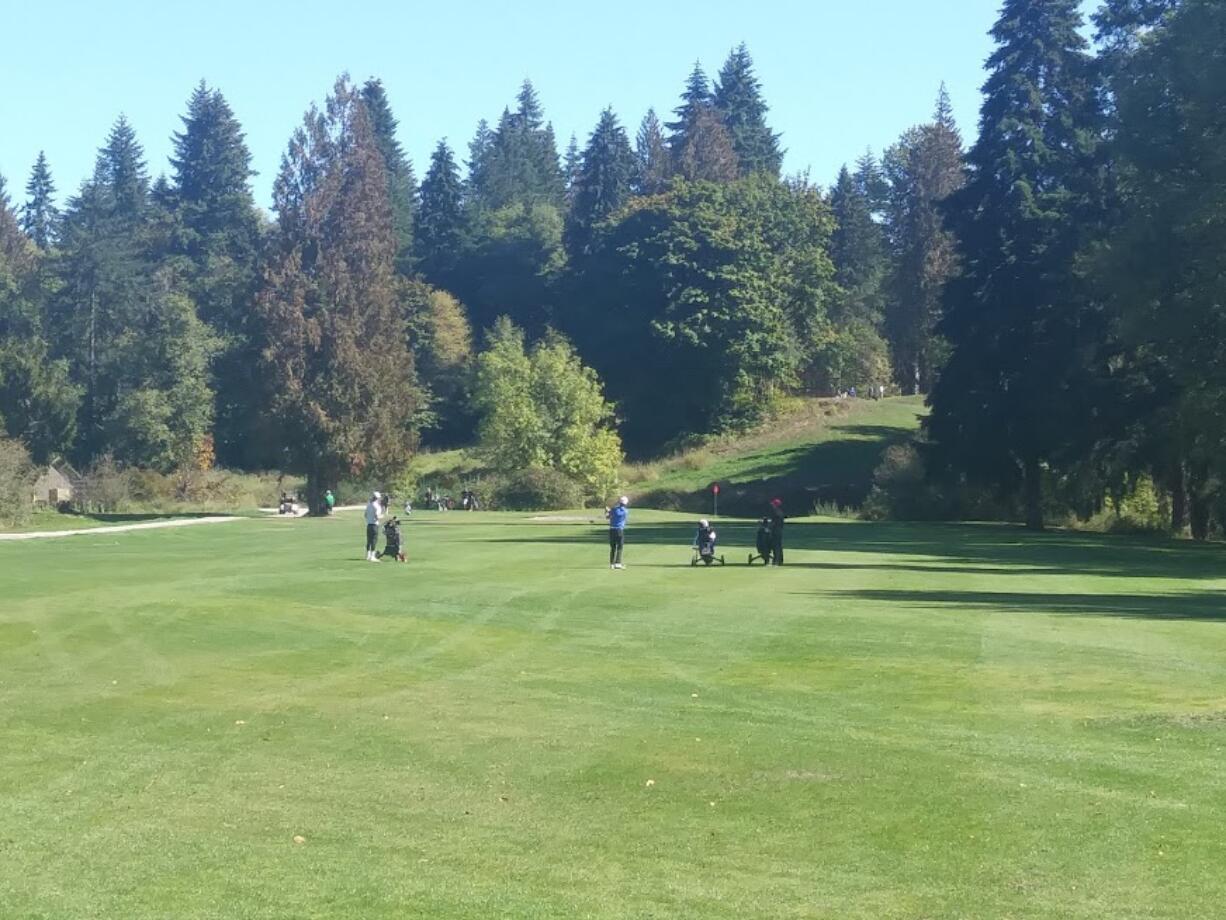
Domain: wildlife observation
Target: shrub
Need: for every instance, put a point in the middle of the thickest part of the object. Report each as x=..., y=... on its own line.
x=537, y=489
x=17, y=476
x=105, y=488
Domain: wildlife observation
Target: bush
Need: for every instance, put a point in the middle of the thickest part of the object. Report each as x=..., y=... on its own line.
x=538, y=489
x=17, y=476
x=105, y=488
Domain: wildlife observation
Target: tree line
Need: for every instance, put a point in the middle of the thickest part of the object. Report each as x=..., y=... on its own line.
x=1056, y=289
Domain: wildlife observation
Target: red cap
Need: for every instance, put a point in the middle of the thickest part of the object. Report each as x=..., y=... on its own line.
x=777, y=502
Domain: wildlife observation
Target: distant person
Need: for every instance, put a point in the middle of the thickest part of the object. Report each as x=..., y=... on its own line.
x=329, y=501
x=617, y=516
x=408, y=507
x=385, y=501
x=372, y=527
x=776, y=521
x=391, y=536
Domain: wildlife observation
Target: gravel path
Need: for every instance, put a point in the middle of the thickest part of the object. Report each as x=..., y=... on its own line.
x=88, y=531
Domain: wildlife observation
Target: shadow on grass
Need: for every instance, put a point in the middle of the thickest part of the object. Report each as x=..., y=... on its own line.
x=834, y=472
x=1201, y=605
x=983, y=549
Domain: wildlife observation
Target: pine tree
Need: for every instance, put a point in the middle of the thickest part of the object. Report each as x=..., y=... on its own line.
x=121, y=168
x=39, y=215
x=1010, y=401
x=707, y=154
x=924, y=168
x=571, y=163
x=604, y=181
x=341, y=374
x=520, y=166
x=857, y=249
x=652, y=167
x=480, y=148
x=218, y=233
x=696, y=99
x=738, y=98
x=401, y=181
x=440, y=217
x=871, y=183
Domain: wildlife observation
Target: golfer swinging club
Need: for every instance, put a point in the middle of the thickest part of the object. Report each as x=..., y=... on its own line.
x=617, y=531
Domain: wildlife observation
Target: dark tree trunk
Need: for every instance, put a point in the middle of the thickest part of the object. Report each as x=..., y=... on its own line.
x=1179, y=498
x=1198, y=504
x=1033, y=493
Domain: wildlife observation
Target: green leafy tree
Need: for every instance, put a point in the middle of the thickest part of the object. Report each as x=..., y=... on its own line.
x=39, y=216
x=604, y=181
x=401, y=181
x=1010, y=402
x=723, y=290
x=542, y=408
x=442, y=344
x=342, y=382
x=738, y=99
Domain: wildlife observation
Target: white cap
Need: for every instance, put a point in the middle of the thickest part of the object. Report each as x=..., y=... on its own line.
x=374, y=494
x=704, y=523
x=623, y=500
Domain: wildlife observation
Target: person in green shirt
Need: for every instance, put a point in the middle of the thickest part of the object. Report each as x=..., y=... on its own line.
x=329, y=500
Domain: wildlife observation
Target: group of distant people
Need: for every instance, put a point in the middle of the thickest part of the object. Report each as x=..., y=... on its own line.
x=875, y=391
x=769, y=540
x=468, y=501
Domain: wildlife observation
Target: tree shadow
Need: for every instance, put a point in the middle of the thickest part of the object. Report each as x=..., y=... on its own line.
x=997, y=549
x=1202, y=605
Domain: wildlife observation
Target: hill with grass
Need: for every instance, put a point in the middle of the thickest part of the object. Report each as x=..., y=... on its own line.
x=815, y=454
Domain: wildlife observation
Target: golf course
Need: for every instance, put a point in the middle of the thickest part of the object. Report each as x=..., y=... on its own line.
x=905, y=721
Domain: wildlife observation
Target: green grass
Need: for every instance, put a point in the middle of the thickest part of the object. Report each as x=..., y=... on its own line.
x=904, y=722
x=823, y=452
x=41, y=521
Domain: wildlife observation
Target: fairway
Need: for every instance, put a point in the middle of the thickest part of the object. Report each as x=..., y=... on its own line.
x=906, y=721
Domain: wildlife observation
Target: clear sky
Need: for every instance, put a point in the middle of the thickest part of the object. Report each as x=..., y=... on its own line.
x=839, y=76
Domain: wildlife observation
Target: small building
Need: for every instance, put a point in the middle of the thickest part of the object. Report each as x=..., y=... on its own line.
x=55, y=485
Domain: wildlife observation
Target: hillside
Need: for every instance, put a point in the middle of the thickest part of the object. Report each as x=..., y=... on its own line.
x=822, y=453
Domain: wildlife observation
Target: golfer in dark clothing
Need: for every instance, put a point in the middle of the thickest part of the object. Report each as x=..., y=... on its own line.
x=777, y=520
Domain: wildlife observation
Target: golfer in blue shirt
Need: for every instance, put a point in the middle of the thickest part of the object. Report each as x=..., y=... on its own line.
x=617, y=531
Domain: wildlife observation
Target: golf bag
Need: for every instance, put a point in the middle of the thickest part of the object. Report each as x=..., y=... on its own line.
x=763, y=543
x=704, y=548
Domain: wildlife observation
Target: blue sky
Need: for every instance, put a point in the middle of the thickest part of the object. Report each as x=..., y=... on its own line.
x=838, y=75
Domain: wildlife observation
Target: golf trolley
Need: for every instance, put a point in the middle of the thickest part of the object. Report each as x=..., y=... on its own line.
x=706, y=558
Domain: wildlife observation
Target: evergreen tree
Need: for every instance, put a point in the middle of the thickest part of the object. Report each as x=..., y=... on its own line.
x=571, y=164
x=707, y=154
x=521, y=166
x=39, y=215
x=857, y=249
x=652, y=166
x=401, y=181
x=695, y=99
x=440, y=217
x=217, y=233
x=738, y=98
x=604, y=181
x=480, y=149
x=871, y=182
x=340, y=372
x=1010, y=401
x=121, y=169
x=924, y=168
x=1160, y=269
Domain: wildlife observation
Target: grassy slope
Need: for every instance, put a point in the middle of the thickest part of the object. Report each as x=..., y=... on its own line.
x=906, y=721
x=823, y=453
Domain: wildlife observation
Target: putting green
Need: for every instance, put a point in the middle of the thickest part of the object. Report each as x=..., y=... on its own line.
x=904, y=721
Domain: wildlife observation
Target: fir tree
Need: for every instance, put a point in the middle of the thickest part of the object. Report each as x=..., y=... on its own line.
x=341, y=373
x=39, y=216
x=401, y=181
x=604, y=181
x=480, y=148
x=1010, y=401
x=218, y=233
x=696, y=99
x=440, y=217
x=707, y=154
x=924, y=168
x=571, y=164
x=121, y=169
x=738, y=98
x=857, y=249
x=652, y=166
